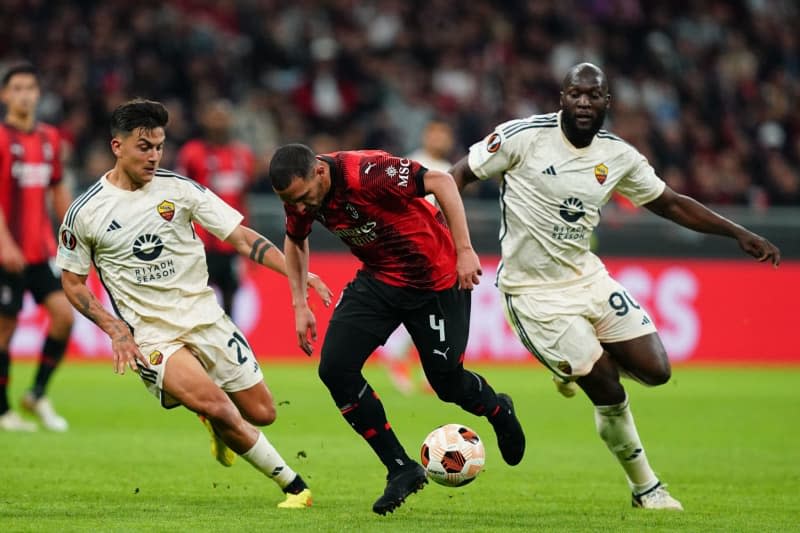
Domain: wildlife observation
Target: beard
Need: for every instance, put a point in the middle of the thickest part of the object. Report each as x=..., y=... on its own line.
x=583, y=135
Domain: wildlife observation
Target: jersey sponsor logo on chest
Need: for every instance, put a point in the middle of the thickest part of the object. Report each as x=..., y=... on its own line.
x=228, y=181
x=571, y=210
x=358, y=236
x=32, y=174
x=351, y=210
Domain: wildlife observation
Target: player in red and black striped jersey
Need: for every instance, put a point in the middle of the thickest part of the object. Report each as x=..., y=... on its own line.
x=418, y=270
x=226, y=167
x=30, y=170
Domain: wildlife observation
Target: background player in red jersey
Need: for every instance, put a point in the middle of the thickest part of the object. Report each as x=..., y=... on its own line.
x=418, y=270
x=30, y=169
x=226, y=167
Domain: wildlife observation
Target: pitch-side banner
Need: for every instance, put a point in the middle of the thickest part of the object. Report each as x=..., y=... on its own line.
x=706, y=311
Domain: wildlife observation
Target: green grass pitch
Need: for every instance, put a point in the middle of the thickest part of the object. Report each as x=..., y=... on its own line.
x=725, y=440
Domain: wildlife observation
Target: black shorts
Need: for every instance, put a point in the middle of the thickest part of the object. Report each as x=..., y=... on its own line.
x=40, y=279
x=438, y=321
x=222, y=271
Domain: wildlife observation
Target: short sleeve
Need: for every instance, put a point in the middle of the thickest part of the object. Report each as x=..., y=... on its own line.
x=385, y=175
x=74, y=248
x=641, y=184
x=213, y=213
x=495, y=154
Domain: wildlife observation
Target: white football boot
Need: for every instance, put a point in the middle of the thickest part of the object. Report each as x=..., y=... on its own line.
x=11, y=421
x=43, y=409
x=656, y=498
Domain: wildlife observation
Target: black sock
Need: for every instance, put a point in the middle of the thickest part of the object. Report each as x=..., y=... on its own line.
x=296, y=486
x=52, y=353
x=472, y=393
x=4, y=364
x=368, y=418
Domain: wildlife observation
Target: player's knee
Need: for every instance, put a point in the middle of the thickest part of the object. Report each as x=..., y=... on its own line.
x=264, y=415
x=342, y=386
x=329, y=375
x=61, y=319
x=7, y=328
x=62, y=324
x=661, y=375
x=445, y=389
x=221, y=414
x=447, y=394
x=659, y=372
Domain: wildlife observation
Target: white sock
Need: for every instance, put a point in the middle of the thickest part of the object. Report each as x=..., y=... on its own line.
x=266, y=459
x=616, y=427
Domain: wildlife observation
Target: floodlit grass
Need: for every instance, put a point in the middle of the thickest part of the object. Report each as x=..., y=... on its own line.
x=726, y=440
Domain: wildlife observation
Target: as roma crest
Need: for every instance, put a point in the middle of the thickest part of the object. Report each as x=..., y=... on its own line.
x=156, y=357
x=167, y=210
x=601, y=173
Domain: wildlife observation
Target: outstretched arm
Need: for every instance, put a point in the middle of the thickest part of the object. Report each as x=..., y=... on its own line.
x=125, y=350
x=258, y=248
x=443, y=187
x=692, y=214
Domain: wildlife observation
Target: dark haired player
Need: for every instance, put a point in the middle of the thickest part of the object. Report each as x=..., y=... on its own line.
x=30, y=172
x=418, y=270
x=136, y=226
x=557, y=172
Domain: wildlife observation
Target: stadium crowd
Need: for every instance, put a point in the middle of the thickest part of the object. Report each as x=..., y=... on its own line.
x=708, y=90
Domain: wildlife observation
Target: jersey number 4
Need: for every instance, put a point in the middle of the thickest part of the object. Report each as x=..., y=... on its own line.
x=437, y=325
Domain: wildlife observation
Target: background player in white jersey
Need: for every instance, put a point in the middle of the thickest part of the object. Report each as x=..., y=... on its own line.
x=136, y=226
x=557, y=171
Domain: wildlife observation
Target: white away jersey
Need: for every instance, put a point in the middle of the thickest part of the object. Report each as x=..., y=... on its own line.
x=551, y=194
x=146, y=252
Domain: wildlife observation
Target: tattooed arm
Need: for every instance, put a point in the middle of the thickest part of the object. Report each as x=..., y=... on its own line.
x=259, y=249
x=125, y=350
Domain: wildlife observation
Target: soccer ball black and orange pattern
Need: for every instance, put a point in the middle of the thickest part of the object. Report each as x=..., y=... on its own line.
x=453, y=455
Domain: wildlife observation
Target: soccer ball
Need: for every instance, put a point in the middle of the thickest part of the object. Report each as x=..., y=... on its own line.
x=452, y=455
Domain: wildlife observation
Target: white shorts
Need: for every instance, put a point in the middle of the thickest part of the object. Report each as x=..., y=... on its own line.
x=563, y=326
x=220, y=347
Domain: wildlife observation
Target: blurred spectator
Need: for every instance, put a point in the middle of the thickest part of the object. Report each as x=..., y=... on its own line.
x=225, y=166
x=713, y=83
x=437, y=146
